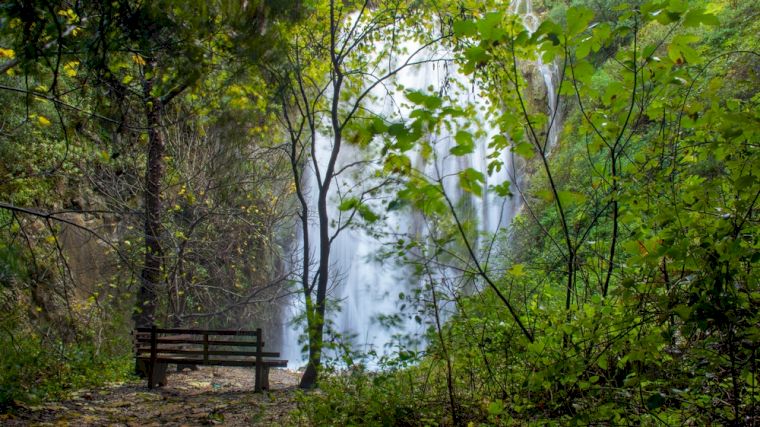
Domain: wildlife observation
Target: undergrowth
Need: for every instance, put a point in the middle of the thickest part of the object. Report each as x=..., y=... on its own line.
x=34, y=369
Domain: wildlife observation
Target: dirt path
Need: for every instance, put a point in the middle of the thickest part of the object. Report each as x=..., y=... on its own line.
x=208, y=396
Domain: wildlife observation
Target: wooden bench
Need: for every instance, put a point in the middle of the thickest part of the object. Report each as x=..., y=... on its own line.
x=156, y=348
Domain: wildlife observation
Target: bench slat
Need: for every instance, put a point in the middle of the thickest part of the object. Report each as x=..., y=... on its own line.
x=198, y=332
x=251, y=353
x=240, y=363
x=169, y=340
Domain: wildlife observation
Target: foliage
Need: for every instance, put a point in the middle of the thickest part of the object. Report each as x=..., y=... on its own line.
x=356, y=397
x=80, y=82
x=628, y=289
x=625, y=290
x=38, y=366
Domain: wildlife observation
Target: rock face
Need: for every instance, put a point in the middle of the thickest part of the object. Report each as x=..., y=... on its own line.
x=91, y=261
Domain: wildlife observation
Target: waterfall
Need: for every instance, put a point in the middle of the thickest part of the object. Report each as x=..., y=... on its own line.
x=549, y=72
x=368, y=289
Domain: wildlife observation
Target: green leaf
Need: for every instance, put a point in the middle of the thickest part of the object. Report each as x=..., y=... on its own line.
x=695, y=17
x=680, y=51
x=498, y=142
x=745, y=181
x=397, y=129
x=750, y=379
x=651, y=7
x=367, y=214
x=395, y=205
x=570, y=198
x=378, y=126
x=550, y=31
x=476, y=54
x=678, y=6
x=602, y=362
x=578, y=18
x=431, y=102
x=397, y=163
x=465, y=143
x=465, y=28
x=490, y=26
x=416, y=97
x=601, y=35
x=405, y=137
x=471, y=181
x=583, y=49
x=496, y=407
x=502, y=190
x=348, y=204
x=545, y=195
x=683, y=311
x=583, y=71
x=613, y=91
x=524, y=149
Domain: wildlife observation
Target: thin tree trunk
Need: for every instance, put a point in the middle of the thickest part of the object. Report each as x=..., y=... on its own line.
x=316, y=317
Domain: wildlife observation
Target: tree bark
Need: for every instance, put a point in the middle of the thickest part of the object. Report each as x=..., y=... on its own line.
x=150, y=278
x=316, y=315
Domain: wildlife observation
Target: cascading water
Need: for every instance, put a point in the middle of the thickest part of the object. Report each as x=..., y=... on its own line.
x=549, y=72
x=368, y=289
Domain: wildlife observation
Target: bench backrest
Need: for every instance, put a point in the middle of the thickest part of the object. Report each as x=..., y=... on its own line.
x=203, y=347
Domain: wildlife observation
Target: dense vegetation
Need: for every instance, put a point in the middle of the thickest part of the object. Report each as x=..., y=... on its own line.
x=153, y=162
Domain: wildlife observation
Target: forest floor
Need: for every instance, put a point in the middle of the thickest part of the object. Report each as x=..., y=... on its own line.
x=208, y=396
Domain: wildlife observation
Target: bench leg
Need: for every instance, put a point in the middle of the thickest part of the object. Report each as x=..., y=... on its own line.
x=258, y=369
x=261, y=382
x=265, y=377
x=158, y=374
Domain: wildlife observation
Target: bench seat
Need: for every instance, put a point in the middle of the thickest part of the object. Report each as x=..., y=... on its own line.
x=156, y=348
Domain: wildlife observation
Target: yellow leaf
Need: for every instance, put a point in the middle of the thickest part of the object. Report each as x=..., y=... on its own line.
x=517, y=270
x=68, y=13
x=139, y=60
x=7, y=53
x=43, y=120
x=71, y=68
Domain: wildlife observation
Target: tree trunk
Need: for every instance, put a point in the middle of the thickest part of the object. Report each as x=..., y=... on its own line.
x=316, y=316
x=145, y=306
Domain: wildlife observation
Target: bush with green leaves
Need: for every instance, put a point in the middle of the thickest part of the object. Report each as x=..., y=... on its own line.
x=36, y=366
x=359, y=397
